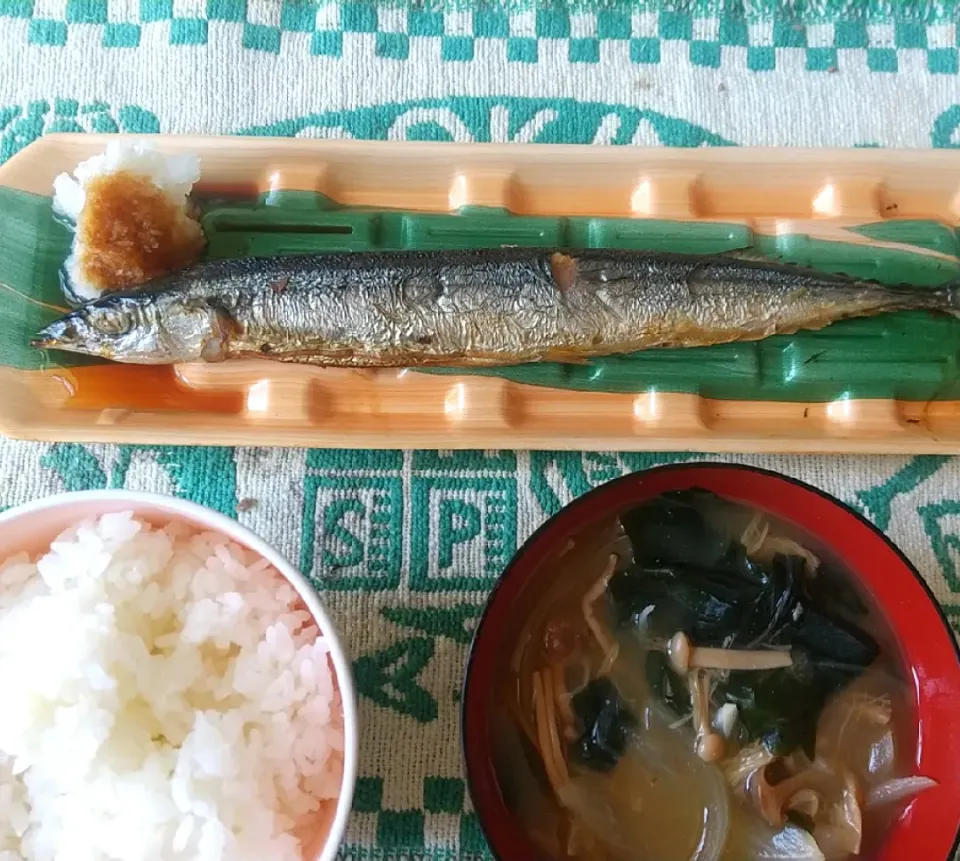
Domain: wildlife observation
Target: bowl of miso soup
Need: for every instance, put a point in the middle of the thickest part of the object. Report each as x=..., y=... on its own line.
x=710, y=662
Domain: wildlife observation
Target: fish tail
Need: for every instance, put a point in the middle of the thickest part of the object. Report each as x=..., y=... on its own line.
x=944, y=299
x=951, y=298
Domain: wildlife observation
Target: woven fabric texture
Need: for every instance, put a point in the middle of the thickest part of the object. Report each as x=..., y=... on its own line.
x=405, y=545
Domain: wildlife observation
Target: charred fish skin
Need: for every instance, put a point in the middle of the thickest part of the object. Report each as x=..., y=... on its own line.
x=467, y=308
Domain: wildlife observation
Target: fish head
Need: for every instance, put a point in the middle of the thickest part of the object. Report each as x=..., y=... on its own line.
x=142, y=328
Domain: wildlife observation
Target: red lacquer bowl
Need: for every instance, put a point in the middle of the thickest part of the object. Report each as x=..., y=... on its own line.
x=929, y=827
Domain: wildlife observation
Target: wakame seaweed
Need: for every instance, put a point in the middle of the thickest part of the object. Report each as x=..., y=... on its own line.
x=714, y=608
x=832, y=637
x=775, y=604
x=780, y=708
x=607, y=725
x=690, y=575
x=671, y=530
x=707, y=605
x=669, y=688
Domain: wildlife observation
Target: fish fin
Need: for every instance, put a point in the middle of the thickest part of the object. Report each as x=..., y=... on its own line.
x=214, y=350
x=751, y=254
x=944, y=299
x=566, y=358
x=952, y=293
x=216, y=347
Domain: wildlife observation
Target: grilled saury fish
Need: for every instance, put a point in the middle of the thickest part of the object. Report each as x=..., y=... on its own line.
x=486, y=307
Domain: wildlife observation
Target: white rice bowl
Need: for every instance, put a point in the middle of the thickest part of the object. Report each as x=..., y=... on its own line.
x=175, y=175
x=165, y=696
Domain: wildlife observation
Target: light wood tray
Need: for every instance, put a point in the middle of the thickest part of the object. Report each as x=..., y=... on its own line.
x=274, y=404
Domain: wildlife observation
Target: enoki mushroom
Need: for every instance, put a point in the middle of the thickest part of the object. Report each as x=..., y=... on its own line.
x=760, y=544
x=709, y=744
x=521, y=720
x=550, y=702
x=561, y=698
x=593, y=595
x=609, y=659
x=755, y=534
x=547, y=735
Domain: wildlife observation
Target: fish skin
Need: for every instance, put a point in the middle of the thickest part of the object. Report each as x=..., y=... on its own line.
x=466, y=308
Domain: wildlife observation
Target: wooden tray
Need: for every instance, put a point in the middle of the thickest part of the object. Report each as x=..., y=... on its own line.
x=828, y=199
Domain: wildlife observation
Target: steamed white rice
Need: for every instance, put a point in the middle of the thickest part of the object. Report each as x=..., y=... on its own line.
x=175, y=175
x=164, y=696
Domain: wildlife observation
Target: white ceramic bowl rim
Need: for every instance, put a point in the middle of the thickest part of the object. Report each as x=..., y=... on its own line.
x=218, y=522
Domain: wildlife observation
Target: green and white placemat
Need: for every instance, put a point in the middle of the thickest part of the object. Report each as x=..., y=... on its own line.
x=406, y=544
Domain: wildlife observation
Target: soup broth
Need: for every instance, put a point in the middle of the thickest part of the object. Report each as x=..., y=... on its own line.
x=699, y=683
